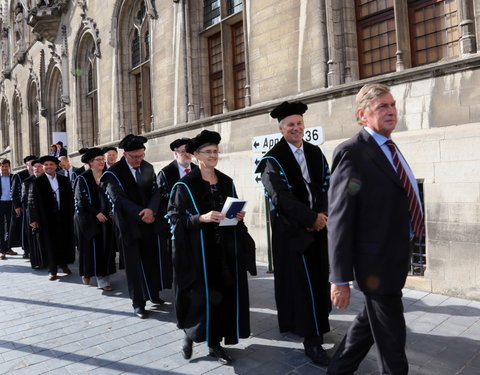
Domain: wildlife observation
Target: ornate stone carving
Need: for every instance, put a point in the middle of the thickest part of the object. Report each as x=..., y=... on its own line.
x=89, y=24
x=5, y=53
x=45, y=18
x=19, y=25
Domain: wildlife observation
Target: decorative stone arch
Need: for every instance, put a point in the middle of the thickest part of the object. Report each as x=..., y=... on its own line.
x=33, y=108
x=86, y=54
x=133, y=88
x=17, y=112
x=55, y=103
x=5, y=121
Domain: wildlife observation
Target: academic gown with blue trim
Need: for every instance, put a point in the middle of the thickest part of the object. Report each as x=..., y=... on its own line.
x=210, y=263
x=300, y=257
x=94, y=238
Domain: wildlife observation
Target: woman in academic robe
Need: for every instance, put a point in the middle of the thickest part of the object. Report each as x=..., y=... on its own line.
x=210, y=261
x=92, y=223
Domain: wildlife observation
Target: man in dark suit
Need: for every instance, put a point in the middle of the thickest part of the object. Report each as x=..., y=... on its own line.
x=6, y=179
x=296, y=176
x=50, y=207
x=132, y=189
x=374, y=211
x=66, y=169
x=111, y=156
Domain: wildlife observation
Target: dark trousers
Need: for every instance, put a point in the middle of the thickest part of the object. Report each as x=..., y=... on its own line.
x=381, y=322
x=141, y=269
x=5, y=216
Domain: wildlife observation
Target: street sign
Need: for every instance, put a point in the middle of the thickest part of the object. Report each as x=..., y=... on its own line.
x=263, y=144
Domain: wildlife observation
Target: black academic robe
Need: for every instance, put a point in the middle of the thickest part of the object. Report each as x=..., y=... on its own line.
x=300, y=257
x=143, y=249
x=210, y=279
x=166, y=179
x=38, y=257
x=18, y=225
x=55, y=223
x=94, y=238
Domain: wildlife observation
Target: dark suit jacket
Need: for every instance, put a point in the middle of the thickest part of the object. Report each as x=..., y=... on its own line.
x=368, y=225
x=61, y=152
x=74, y=172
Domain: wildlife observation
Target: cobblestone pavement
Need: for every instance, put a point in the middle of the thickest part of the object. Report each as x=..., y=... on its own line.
x=64, y=327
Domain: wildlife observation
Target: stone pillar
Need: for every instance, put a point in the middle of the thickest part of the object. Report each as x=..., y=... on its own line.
x=317, y=27
x=351, y=72
x=476, y=12
x=404, y=57
x=335, y=42
x=467, y=27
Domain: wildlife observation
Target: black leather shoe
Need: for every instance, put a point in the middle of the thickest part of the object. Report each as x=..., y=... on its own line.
x=187, y=347
x=157, y=301
x=25, y=256
x=219, y=352
x=317, y=354
x=140, y=312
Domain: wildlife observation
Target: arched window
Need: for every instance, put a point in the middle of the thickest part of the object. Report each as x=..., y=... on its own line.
x=55, y=103
x=135, y=49
x=5, y=124
x=17, y=128
x=34, y=117
x=140, y=68
x=87, y=92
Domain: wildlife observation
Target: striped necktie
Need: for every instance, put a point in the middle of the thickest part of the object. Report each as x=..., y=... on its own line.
x=416, y=214
x=303, y=167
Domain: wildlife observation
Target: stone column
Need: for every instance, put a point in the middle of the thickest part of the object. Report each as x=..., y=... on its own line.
x=335, y=42
x=404, y=57
x=466, y=25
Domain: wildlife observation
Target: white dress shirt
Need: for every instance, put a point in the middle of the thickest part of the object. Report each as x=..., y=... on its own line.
x=54, y=184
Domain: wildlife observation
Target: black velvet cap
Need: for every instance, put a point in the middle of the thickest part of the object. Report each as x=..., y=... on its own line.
x=178, y=142
x=83, y=150
x=287, y=109
x=45, y=158
x=28, y=158
x=110, y=148
x=91, y=153
x=35, y=161
x=132, y=142
x=205, y=138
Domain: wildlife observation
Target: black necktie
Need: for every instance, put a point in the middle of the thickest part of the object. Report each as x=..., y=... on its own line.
x=68, y=174
x=138, y=176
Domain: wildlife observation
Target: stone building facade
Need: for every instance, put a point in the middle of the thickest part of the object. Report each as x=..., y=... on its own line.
x=99, y=70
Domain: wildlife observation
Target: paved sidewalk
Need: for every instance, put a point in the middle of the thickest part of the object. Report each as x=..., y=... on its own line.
x=64, y=327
